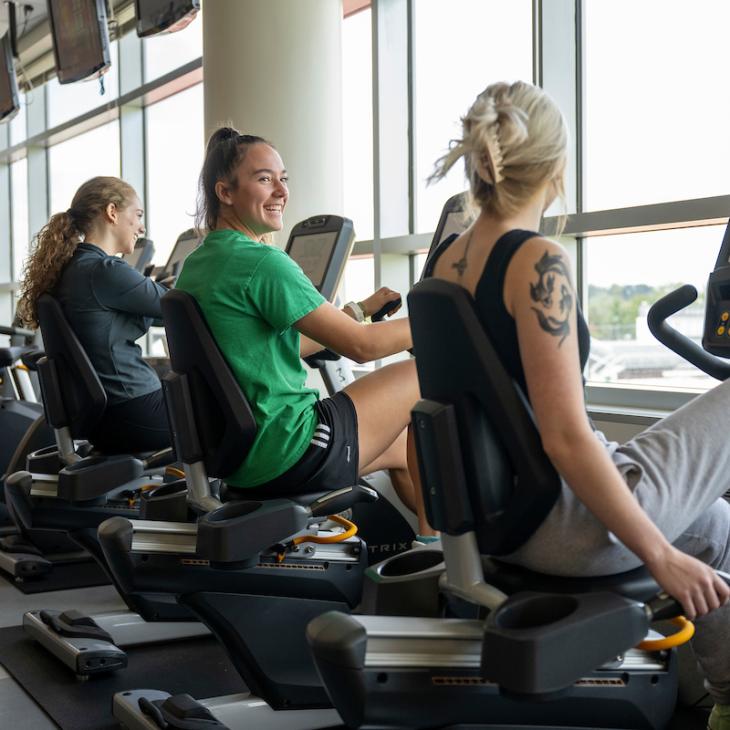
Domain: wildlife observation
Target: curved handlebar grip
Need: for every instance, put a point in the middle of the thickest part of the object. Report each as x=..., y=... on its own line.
x=385, y=310
x=677, y=342
x=664, y=607
x=342, y=499
x=20, y=331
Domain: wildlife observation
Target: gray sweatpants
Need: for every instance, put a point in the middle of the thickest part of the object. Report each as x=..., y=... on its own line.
x=678, y=470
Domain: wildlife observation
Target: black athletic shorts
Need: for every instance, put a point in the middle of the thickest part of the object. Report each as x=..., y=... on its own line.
x=331, y=459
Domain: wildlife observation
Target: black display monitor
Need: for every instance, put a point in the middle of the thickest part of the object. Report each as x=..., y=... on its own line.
x=80, y=38
x=186, y=243
x=313, y=253
x=321, y=245
x=142, y=255
x=454, y=219
x=9, y=99
x=164, y=16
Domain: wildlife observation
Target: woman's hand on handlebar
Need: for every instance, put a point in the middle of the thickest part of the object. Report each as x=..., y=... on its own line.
x=693, y=583
x=379, y=299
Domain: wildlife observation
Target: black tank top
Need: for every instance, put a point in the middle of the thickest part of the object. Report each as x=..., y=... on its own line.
x=489, y=296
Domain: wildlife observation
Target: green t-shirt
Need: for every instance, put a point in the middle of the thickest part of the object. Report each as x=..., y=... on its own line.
x=250, y=294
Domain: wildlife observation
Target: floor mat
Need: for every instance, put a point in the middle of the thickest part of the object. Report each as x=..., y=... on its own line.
x=198, y=667
x=62, y=577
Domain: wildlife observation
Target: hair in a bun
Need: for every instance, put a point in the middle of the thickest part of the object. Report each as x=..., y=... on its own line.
x=514, y=140
x=225, y=150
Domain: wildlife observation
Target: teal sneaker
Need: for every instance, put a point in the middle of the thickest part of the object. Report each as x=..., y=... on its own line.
x=719, y=718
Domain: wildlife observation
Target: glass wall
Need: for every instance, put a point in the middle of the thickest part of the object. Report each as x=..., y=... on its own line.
x=625, y=275
x=357, y=115
x=656, y=110
x=458, y=53
x=70, y=163
x=175, y=149
x=67, y=101
x=644, y=87
x=19, y=215
x=166, y=52
x=19, y=122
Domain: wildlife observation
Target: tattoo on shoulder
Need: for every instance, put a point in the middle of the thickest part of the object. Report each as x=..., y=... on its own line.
x=553, y=295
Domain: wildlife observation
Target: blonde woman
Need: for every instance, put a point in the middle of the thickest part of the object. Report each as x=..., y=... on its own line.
x=108, y=304
x=654, y=500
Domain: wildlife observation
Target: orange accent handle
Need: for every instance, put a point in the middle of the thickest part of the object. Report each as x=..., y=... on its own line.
x=685, y=633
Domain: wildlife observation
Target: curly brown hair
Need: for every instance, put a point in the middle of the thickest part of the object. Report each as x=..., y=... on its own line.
x=56, y=242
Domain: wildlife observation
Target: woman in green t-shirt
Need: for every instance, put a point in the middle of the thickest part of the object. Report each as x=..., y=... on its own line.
x=266, y=315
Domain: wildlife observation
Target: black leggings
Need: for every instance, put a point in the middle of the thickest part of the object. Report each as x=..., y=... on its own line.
x=134, y=426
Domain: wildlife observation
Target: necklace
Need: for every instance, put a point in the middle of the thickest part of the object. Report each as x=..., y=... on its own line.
x=460, y=265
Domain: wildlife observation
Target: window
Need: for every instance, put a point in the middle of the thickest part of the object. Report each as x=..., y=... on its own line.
x=656, y=108
x=70, y=163
x=66, y=101
x=168, y=51
x=357, y=131
x=18, y=123
x=625, y=275
x=19, y=215
x=6, y=315
x=175, y=150
x=358, y=279
x=460, y=48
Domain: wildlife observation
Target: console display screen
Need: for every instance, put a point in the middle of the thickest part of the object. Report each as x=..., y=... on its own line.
x=133, y=258
x=313, y=253
x=184, y=246
x=80, y=38
x=455, y=223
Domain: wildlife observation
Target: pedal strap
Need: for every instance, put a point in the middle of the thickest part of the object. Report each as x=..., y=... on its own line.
x=179, y=712
x=75, y=625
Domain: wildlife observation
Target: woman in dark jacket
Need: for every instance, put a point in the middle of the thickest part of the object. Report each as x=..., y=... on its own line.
x=108, y=304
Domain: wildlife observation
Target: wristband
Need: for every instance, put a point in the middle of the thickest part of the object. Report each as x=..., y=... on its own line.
x=357, y=310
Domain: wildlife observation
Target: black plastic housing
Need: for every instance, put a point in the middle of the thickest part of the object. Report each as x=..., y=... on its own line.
x=538, y=644
x=239, y=531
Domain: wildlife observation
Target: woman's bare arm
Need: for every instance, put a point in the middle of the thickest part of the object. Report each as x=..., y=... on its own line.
x=540, y=296
x=332, y=328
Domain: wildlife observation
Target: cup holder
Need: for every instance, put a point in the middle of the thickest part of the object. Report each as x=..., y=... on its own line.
x=405, y=585
x=410, y=563
x=535, y=611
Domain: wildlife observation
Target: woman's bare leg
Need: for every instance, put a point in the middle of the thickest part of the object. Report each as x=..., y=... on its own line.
x=383, y=401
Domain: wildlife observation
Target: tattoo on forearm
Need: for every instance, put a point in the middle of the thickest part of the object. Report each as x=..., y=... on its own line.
x=553, y=293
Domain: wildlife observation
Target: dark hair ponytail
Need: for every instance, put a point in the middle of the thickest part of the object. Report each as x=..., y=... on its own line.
x=225, y=150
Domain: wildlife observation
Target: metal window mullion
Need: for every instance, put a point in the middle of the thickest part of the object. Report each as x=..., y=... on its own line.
x=580, y=241
x=537, y=42
x=6, y=228
x=131, y=115
x=411, y=81
x=579, y=107
x=39, y=182
x=375, y=15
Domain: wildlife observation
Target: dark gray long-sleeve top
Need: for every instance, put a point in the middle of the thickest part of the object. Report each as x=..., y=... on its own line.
x=109, y=306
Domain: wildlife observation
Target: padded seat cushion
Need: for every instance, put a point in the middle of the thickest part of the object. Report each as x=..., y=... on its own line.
x=637, y=584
